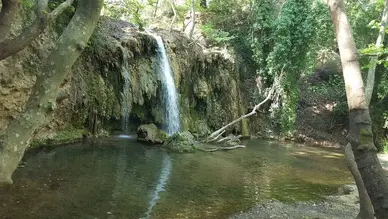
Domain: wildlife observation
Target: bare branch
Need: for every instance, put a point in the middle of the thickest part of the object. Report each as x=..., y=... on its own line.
x=215, y=135
x=59, y=10
x=223, y=148
x=8, y=13
x=172, y=4
x=15, y=45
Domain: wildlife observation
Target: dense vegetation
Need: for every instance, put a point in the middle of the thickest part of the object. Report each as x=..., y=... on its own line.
x=291, y=41
x=297, y=37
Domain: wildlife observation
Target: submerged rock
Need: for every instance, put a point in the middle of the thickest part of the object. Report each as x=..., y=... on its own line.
x=181, y=142
x=150, y=134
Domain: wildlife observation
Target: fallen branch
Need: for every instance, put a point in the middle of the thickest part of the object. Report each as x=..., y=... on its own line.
x=224, y=148
x=215, y=139
x=215, y=135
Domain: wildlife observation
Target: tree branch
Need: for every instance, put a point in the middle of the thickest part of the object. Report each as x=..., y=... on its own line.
x=15, y=45
x=172, y=3
x=215, y=135
x=223, y=148
x=9, y=12
x=373, y=60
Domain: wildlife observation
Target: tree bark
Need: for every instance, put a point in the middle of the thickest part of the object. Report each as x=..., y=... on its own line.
x=172, y=3
x=192, y=19
x=42, y=102
x=15, y=45
x=360, y=134
x=373, y=60
x=156, y=8
x=366, y=207
x=9, y=12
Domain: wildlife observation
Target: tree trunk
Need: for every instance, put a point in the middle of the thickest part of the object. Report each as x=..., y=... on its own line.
x=172, y=3
x=9, y=12
x=360, y=134
x=366, y=207
x=373, y=60
x=156, y=8
x=42, y=102
x=15, y=45
x=192, y=19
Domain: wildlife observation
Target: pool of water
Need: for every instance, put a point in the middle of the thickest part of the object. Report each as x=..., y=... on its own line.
x=119, y=178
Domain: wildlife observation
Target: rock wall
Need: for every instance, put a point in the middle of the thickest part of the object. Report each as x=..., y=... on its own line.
x=211, y=86
x=208, y=81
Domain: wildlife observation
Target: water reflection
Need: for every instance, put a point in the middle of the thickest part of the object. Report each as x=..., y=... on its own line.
x=165, y=173
x=119, y=178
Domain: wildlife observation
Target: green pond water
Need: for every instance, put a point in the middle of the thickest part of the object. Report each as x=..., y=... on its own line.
x=120, y=178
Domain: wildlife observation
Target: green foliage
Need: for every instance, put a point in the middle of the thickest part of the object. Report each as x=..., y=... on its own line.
x=216, y=36
x=127, y=9
x=384, y=147
x=292, y=32
x=27, y=3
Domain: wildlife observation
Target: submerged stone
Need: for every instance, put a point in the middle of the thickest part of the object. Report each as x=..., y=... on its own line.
x=181, y=142
x=150, y=134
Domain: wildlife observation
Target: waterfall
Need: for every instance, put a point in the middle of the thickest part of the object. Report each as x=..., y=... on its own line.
x=172, y=122
x=126, y=95
x=164, y=174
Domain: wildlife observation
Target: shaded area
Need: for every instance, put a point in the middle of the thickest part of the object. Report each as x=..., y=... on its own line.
x=116, y=177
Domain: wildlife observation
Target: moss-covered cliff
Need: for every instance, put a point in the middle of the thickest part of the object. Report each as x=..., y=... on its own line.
x=211, y=86
x=209, y=82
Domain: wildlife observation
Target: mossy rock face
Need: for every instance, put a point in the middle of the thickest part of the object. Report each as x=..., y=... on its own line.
x=201, y=89
x=181, y=142
x=150, y=134
x=200, y=129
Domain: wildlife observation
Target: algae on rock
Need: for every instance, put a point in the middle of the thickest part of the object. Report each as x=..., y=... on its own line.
x=180, y=142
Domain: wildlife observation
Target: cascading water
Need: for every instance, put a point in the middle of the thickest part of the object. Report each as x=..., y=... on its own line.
x=126, y=95
x=172, y=121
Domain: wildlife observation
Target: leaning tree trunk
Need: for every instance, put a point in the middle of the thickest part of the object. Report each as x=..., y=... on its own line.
x=373, y=60
x=42, y=102
x=360, y=131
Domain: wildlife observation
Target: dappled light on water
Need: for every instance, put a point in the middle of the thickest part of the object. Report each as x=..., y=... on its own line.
x=120, y=178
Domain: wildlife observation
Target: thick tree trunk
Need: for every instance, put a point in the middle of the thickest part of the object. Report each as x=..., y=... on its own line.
x=9, y=12
x=366, y=207
x=15, y=45
x=42, y=102
x=373, y=60
x=360, y=132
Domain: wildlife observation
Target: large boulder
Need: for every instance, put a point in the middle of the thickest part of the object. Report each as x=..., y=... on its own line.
x=150, y=134
x=181, y=142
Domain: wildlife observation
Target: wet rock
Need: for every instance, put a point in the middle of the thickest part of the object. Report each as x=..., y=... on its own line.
x=150, y=134
x=201, y=89
x=181, y=142
x=201, y=129
x=347, y=189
